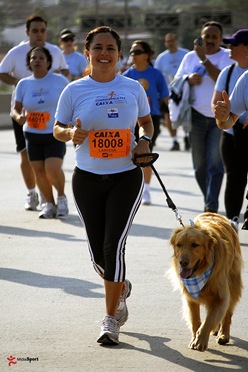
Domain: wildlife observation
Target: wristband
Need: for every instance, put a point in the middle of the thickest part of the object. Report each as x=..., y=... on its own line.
x=146, y=138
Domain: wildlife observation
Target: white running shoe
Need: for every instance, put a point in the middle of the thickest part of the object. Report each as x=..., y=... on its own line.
x=62, y=206
x=146, y=200
x=32, y=201
x=235, y=223
x=48, y=211
x=109, y=331
x=122, y=311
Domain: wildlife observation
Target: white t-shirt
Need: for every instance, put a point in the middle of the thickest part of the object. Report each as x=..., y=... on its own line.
x=202, y=93
x=14, y=62
x=113, y=105
x=40, y=96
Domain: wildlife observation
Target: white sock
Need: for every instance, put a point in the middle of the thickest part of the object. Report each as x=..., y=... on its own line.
x=31, y=190
x=146, y=187
x=61, y=197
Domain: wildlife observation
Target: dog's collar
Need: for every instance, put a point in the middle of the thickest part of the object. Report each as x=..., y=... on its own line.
x=194, y=285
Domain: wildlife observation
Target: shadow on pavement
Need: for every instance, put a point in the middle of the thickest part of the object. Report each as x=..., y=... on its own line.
x=17, y=231
x=72, y=286
x=159, y=349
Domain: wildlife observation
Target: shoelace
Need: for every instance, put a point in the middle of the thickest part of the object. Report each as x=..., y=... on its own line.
x=109, y=325
x=62, y=204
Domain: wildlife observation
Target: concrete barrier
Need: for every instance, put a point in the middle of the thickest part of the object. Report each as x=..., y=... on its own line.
x=5, y=119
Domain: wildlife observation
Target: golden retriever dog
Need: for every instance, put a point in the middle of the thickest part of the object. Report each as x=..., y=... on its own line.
x=207, y=264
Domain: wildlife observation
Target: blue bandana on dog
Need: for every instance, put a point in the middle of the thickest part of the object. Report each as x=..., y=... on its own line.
x=194, y=285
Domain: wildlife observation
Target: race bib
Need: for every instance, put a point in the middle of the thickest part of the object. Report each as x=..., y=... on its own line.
x=109, y=144
x=38, y=120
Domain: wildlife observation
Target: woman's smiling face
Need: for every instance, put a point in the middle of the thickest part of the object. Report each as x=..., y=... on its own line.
x=103, y=53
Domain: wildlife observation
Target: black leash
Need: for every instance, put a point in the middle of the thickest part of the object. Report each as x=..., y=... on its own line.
x=152, y=157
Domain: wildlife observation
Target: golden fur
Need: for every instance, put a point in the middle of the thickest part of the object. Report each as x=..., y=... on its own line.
x=211, y=238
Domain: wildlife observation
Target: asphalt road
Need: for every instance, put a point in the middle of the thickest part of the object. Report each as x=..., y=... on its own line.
x=52, y=301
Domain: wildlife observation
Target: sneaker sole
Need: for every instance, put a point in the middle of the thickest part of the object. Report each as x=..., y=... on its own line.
x=47, y=218
x=106, y=340
x=62, y=215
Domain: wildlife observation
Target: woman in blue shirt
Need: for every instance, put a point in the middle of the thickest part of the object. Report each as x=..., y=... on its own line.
x=156, y=89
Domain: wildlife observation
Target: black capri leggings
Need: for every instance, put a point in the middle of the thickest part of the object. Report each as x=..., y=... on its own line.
x=234, y=151
x=107, y=205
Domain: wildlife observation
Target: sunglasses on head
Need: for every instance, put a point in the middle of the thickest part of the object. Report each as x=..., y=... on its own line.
x=136, y=52
x=66, y=39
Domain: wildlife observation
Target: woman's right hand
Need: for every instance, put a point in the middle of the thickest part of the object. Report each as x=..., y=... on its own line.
x=78, y=134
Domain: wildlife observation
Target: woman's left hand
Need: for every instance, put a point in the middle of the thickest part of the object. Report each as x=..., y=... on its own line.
x=141, y=148
x=22, y=117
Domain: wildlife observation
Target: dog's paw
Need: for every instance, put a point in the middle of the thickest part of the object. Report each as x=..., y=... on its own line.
x=198, y=343
x=222, y=339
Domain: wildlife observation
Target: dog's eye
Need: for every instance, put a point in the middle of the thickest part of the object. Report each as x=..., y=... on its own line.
x=178, y=245
x=194, y=245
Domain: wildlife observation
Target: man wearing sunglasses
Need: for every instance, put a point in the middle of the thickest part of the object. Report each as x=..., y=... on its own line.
x=76, y=61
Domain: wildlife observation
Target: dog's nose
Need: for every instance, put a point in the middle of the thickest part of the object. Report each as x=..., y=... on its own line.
x=184, y=262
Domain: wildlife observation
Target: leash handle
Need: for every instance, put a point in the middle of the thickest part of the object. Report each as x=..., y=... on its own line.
x=153, y=156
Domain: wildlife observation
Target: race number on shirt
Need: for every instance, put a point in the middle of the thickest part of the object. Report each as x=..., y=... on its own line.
x=38, y=120
x=109, y=144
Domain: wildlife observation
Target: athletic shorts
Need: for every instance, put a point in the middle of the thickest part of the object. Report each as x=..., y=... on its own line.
x=19, y=136
x=43, y=146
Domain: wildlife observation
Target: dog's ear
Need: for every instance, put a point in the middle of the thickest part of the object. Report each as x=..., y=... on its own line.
x=172, y=240
x=211, y=243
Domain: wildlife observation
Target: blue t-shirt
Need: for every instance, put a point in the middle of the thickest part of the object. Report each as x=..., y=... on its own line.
x=40, y=96
x=168, y=63
x=239, y=96
x=154, y=84
x=235, y=75
x=76, y=62
x=112, y=105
